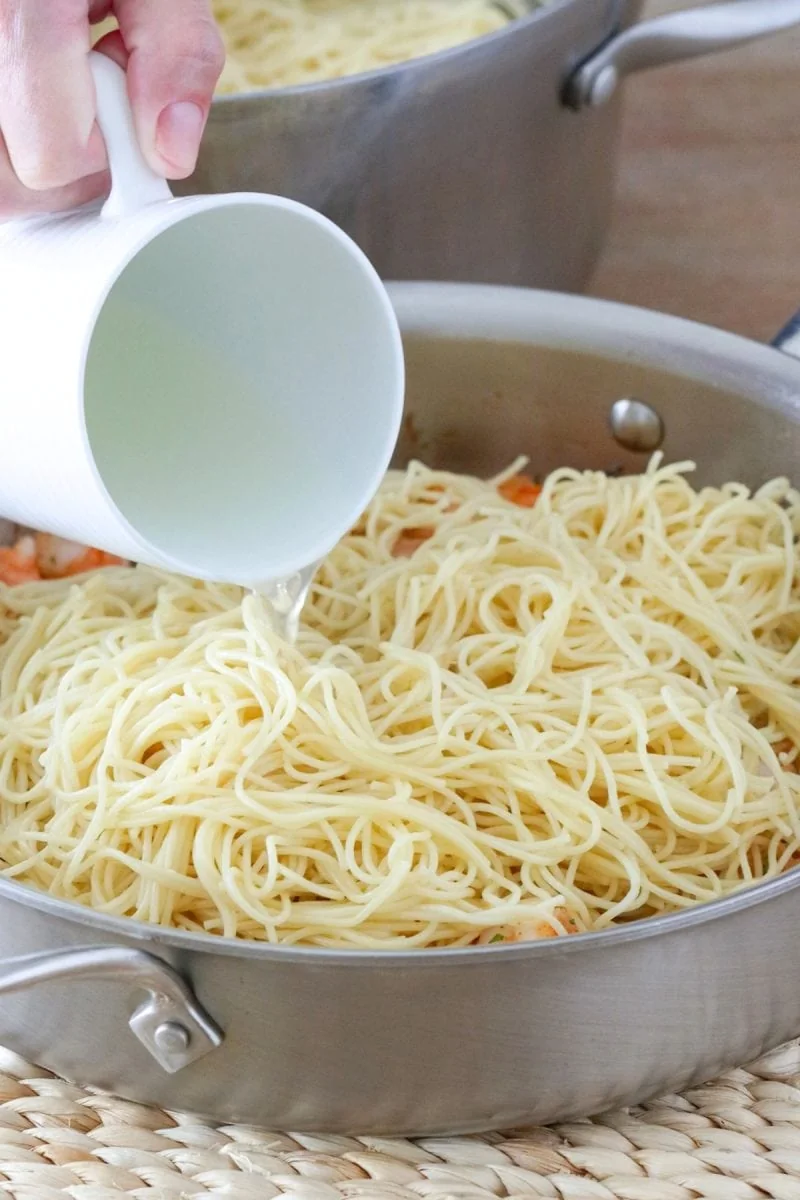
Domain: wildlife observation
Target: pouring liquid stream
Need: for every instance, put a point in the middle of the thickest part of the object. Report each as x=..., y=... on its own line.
x=284, y=600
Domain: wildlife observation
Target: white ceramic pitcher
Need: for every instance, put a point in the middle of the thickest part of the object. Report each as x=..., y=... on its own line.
x=210, y=384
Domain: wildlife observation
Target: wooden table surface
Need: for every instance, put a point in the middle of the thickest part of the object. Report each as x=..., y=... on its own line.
x=707, y=221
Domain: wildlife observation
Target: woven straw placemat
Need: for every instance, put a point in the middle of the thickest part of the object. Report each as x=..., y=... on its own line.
x=735, y=1139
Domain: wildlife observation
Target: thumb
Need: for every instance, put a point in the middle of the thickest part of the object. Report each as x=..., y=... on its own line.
x=175, y=58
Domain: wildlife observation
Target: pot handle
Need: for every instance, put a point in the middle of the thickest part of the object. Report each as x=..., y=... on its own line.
x=170, y=1023
x=788, y=340
x=675, y=36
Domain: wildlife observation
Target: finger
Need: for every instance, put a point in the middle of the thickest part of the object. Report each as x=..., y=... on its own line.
x=47, y=101
x=18, y=201
x=176, y=58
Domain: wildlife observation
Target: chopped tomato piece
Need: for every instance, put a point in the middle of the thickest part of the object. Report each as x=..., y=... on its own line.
x=520, y=490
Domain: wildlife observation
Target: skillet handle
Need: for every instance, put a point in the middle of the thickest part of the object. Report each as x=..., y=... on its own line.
x=673, y=37
x=788, y=340
x=170, y=1023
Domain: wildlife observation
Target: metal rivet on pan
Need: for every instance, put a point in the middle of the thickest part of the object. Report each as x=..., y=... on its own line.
x=635, y=425
x=172, y=1038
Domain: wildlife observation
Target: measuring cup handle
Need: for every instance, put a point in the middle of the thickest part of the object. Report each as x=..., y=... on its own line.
x=134, y=185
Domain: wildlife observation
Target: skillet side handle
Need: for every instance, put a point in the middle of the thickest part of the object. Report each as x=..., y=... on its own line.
x=788, y=340
x=170, y=1023
x=674, y=37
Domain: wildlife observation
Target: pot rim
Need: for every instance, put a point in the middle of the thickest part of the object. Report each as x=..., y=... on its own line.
x=394, y=70
x=524, y=316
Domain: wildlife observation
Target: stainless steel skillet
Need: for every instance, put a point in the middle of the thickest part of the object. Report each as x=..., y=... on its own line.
x=422, y=1042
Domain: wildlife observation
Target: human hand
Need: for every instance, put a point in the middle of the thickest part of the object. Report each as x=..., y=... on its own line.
x=52, y=155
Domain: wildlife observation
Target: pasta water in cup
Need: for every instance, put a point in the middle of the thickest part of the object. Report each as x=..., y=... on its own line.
x=211, y=385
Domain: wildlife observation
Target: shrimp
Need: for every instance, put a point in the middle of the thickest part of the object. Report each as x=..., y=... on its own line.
x=520, y=490
x=529, y=931
x=43, y=556
x=57, y=558
x=18, y=562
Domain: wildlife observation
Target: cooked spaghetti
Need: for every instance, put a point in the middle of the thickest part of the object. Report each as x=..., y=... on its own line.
x=277, y=43
x=510, y=712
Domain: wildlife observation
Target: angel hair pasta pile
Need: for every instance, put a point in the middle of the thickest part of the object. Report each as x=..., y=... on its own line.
x=509, y=712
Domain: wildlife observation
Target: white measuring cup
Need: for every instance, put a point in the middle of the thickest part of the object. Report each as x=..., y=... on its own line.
x=210, y=384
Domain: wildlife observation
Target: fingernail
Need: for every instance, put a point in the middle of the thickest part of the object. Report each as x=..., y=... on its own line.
x=178, y=133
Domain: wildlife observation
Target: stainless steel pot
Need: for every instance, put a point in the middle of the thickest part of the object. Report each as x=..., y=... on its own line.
x=423, y=1042
x=493, y=162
